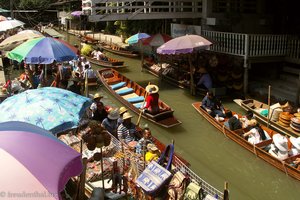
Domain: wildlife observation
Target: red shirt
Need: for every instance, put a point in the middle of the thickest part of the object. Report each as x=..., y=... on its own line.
x=152, y=102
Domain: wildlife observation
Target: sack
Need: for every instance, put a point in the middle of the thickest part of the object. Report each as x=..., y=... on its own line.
x=177, y=186
x=193, y=192
x=153, y=178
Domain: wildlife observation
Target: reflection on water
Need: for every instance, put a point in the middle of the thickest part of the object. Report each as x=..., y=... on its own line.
x=212, y=156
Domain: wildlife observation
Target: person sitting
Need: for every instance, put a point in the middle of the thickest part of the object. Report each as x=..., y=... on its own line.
x=127, y=131
x=122, y=110
x=233, y=122
x=205, y=81
x=85, y=62
x=212, y=105
x=246, y=119
x=256, y=134
x=110, y=122
x=295, y=149
x=144, y=141
x=152, y=153
x=99, y=112
x=151, y=105
x=74, y=85
x=89, y=72
x=279, y=147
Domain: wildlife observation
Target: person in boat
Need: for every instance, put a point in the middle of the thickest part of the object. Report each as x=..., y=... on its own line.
x=144, y=141
x=110, y=123
x=256, y=134
x=152, y=154
x=99, y=112
x=89, y=72
x=246, y=120
x=127, y=131
x=295, y=149
x=212, y=105
x=279, y=147
x=151, y=104
x=122, y=110
x=205, y=80
x=85, y=62
x=233, y=123
x=74, y=85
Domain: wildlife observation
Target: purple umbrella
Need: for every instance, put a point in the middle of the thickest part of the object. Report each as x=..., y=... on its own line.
x=76, y=13
x=34, y=161
x=185, y=45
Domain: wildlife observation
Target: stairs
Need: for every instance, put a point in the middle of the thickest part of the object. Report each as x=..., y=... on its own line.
x=284, y=88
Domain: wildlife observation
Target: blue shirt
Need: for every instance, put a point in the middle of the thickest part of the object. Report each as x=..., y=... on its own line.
x=205, y=80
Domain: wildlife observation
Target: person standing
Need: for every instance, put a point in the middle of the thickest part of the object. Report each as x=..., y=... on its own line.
x=151, y=104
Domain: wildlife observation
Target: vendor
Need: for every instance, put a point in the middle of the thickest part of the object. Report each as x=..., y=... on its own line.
x=205, y=81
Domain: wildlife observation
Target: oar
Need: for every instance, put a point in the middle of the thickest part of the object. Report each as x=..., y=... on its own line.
x=140, y=115
x=226, y=191
x=86, y=86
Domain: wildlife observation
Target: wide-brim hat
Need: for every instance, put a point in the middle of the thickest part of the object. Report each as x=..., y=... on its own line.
x=280, y=142
x=152, y=89
x=114, y=114
x=127, y=115
x=3, y=94
x=97, y=96
x=152, y=147
x=295, y=142
x=252, y=122
x=122, y=110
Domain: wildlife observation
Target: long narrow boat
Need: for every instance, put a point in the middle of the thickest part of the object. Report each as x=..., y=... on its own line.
x=256, y=107
x=132, y=95
x=110, y=63
x=257, y=149
x=118, y=50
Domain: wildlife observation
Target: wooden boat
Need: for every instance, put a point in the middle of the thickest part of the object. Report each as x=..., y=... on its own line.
x=257, y=149
x=118, y=50
x=110, y=63
x=132, y=95
x=256, y=107
x=87, y=39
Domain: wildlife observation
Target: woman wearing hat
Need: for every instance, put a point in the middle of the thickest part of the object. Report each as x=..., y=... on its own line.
x=152, y=153
x=151, y=104
x=110, y=122
x=279, y=147
x=122, y=110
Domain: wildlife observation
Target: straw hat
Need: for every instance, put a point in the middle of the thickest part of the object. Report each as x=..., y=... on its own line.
x=114, y=114
x=152, y=89
x=122, y=110
x=295, y=142
x=252, y=122
x=280, y=142
x=127, y=115
x=97, y=96
x=3, y=93
x=151, y=147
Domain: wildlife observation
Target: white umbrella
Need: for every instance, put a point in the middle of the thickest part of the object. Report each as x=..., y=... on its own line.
x=30, y=31
x=15, y=40
x=9, y=24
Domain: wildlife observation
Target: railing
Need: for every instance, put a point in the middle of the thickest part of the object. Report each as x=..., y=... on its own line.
x=257, y=45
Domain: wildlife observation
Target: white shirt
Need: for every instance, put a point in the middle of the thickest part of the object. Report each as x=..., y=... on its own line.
x=254, y=137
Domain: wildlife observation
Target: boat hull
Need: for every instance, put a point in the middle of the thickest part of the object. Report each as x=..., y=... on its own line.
x=111, y=63
x=118, y=51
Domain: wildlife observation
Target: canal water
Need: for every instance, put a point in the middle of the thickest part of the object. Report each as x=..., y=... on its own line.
x=212, y=156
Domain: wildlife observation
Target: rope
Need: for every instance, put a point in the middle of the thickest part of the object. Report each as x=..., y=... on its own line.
x=283, y=164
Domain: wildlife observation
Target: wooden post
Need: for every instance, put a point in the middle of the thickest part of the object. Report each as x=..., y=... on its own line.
x=246, y=64
x=269, y=103
x=86, y=85
x=192, y=87
x=298, y=92
x=102, y=174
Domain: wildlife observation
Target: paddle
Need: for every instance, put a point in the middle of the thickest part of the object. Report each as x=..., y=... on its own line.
x=140, y=115
x=226, y=192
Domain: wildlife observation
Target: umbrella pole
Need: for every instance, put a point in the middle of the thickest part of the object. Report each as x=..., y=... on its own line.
x=142, y=55
x=86, y=86
x=192, y=87
x=140, y=115
x=269, y=102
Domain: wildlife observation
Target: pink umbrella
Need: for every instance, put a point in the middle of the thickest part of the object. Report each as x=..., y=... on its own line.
x=184, y=44
x=157, y=40
x=76, y=13
x=35, y=162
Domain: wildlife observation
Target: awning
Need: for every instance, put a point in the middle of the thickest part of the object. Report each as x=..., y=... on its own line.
x=53, y=33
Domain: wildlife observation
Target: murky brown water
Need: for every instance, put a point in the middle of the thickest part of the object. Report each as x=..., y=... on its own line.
x=213, y=157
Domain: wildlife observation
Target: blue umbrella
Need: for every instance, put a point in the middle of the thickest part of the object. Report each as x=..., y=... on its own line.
x=136, y=38
x=50, y=108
